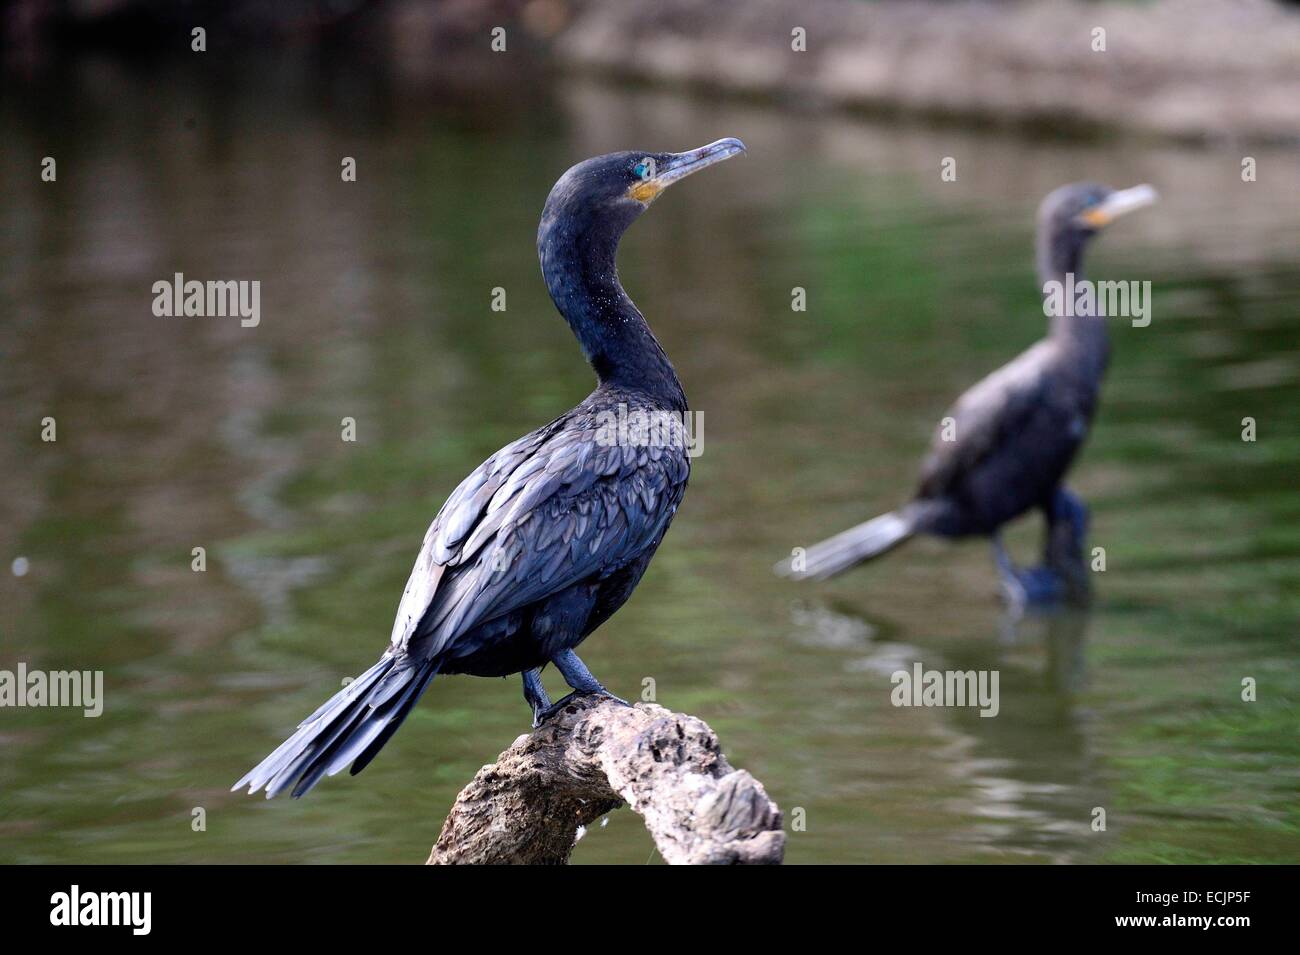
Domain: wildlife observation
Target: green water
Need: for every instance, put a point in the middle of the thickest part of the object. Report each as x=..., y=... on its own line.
x=176, y=433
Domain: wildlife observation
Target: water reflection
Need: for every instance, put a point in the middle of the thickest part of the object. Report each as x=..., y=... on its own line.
x=1026, y=779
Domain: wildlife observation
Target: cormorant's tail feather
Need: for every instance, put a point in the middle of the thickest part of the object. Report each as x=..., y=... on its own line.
x=855, y=545
x=387, y=727
x=353, y=724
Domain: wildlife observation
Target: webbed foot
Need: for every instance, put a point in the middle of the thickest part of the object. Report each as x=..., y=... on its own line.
x=1029, y=587
x=554, y=709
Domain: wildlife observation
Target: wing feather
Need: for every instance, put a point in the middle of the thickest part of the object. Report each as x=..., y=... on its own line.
x=549, y=510
x=983, y=417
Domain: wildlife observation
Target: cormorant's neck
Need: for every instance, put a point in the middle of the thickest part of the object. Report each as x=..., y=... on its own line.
x=1060, y=266
x=578, y=266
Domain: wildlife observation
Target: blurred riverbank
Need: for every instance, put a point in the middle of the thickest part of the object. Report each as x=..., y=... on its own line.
x=1182, y=69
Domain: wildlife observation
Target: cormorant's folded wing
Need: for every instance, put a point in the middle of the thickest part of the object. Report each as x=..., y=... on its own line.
x=552, y=509
x=454, y=521
x=986, y=415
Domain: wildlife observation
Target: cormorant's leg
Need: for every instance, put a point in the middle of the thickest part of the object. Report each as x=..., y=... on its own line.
x=1063, y=551
x=535, y=694
x=1013, y=589
x=577, y=675
x=1067, y=528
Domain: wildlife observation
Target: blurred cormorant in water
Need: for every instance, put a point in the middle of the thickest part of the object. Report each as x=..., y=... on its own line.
x=1011, y=438
x=550, y=535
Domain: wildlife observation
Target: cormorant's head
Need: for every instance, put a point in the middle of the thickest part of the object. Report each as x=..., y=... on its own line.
x=1072, y=214
x=1088, y=207
x=598, y=198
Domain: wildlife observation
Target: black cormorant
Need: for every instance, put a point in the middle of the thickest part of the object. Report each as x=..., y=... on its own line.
x=550, y=535
x=1006, y=445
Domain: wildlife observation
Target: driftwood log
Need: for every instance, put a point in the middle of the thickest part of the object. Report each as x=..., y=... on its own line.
x=593, y=757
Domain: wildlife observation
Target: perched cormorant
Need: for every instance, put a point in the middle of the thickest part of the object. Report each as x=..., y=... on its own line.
x=550, y=535
x=1007, y=443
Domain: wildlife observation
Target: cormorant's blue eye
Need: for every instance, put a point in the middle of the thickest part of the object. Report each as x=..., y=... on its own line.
x=640, y=170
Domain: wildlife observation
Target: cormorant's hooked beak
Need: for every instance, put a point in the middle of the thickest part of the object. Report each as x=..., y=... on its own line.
x=682, y=165
x=1117, y=204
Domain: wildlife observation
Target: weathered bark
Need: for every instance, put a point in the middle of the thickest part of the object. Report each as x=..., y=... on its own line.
x=591, y=758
